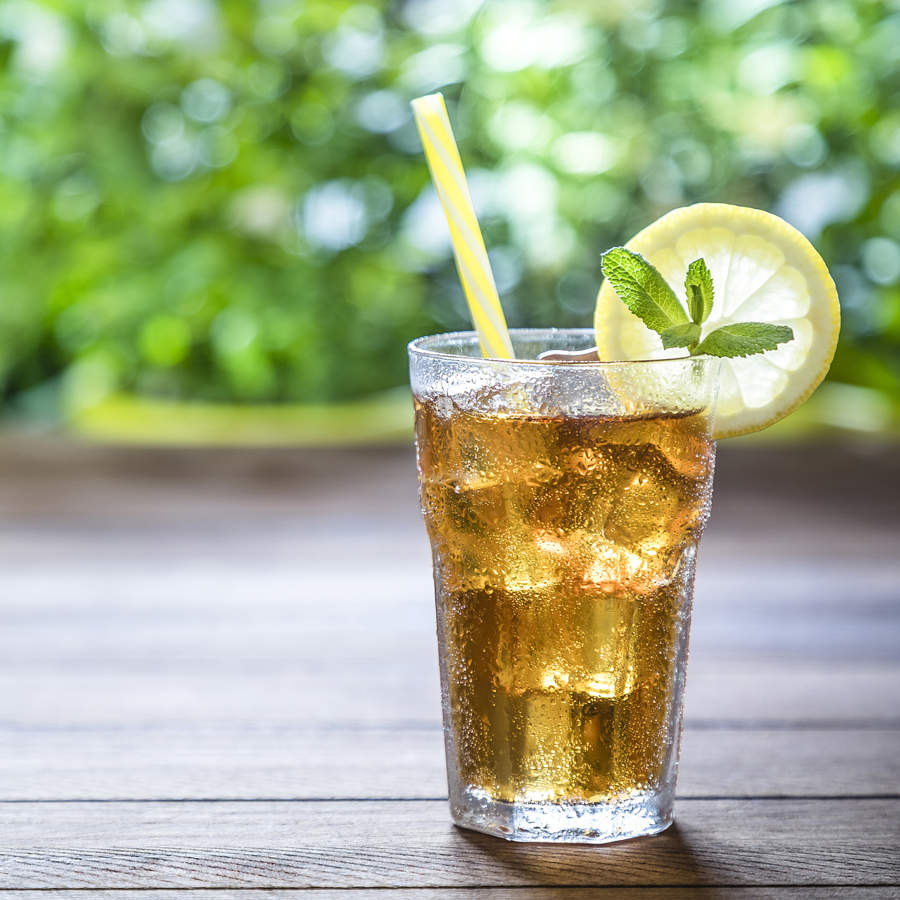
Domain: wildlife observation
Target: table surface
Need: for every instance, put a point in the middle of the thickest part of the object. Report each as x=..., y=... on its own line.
x=218, y=678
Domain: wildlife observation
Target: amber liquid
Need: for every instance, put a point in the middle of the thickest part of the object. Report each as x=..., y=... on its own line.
x=564, y=557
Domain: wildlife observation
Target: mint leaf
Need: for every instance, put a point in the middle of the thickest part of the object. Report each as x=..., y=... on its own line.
x=642, y=289
x=683, y=335
x=699, y=288
x=645, y=292
x=744, y=339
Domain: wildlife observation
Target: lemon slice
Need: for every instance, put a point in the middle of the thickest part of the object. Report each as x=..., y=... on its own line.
x=763, y=270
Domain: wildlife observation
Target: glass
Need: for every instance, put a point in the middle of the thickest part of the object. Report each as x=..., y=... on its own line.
x=564, y=502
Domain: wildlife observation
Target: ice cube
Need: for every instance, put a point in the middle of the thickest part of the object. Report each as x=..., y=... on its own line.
x=648, y=498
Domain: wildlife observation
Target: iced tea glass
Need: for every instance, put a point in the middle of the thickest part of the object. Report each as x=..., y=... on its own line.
x=564, y=502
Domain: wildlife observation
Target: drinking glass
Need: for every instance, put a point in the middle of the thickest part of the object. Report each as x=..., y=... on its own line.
x=564, y=501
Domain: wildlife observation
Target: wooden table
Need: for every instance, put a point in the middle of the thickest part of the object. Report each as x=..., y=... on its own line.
x=217, y=673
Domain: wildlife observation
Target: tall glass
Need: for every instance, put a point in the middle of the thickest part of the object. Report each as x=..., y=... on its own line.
x=564, y=502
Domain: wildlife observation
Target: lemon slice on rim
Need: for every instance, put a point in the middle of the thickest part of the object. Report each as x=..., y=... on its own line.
x=763, y=270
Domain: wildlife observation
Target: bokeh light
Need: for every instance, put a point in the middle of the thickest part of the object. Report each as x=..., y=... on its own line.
x=225, y=201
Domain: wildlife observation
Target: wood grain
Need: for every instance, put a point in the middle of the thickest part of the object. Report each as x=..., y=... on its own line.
x=241, y=645
x=412, y=844
x=99, y=610
x=296, y=763
x=505, y=893
x=391, y=691
x=102, y=642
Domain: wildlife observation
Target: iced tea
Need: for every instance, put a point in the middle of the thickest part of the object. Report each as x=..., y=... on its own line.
x=564, y=548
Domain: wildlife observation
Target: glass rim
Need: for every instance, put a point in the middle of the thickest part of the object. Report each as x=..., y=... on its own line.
x=418, y=347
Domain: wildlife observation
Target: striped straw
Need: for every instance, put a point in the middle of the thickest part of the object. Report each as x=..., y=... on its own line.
x=468, y=244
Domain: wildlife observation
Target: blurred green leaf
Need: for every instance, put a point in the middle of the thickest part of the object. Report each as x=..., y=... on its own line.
x=231, y=205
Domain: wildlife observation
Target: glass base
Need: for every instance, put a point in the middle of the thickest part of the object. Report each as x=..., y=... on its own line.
x=573, y=823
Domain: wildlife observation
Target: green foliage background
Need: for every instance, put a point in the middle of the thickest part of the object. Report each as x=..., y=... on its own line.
x=228, y=202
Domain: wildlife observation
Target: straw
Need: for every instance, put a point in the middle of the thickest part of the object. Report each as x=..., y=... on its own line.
x=468, y=244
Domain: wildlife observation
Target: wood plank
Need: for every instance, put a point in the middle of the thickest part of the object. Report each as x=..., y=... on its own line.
x=55, y=475
x=520, y=893
x=103, y=642
x=102, y=609
x=379, y=691
x=412, y=844
x=298, y=763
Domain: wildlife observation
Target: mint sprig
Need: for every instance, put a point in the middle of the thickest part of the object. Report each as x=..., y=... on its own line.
x=699, y=289
x=744, y=339
x=648, y=295
x=642, y=289
x=685, y=335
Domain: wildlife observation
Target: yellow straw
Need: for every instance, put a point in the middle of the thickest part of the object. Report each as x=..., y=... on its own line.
x=468, y=244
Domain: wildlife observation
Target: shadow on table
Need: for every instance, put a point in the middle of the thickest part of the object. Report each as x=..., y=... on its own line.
x=664, y=859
